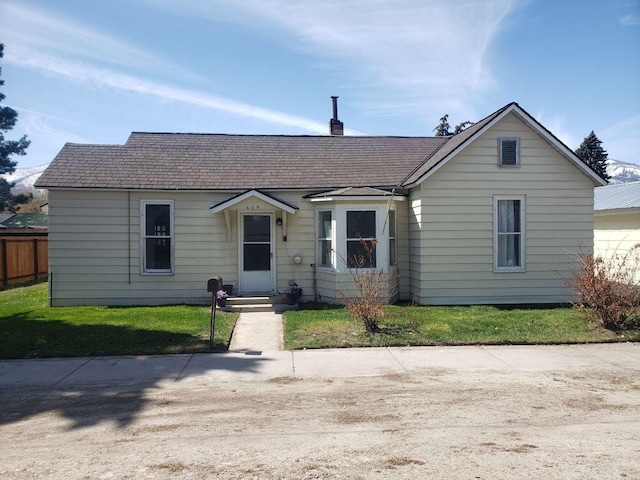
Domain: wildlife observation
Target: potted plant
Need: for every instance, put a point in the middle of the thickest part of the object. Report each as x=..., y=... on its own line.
x=221, y=298
x=293, y=293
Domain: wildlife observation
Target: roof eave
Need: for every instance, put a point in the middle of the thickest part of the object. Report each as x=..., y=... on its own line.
x=529, y=120
x=220, y=207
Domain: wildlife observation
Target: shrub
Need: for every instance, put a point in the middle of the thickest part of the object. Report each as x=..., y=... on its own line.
x=370, y=290
x=607, y=289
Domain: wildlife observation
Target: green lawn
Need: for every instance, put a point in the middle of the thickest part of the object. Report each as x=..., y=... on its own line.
x=412, y=325
x=29, y=328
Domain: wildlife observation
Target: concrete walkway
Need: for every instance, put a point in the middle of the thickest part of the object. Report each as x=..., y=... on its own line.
x=257, y=332
x=256, y=365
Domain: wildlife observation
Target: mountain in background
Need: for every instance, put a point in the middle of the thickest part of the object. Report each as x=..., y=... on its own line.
x=620, y=172
x=24, y=178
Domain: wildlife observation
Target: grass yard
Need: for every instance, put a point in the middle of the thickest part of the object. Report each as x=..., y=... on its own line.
x=411, y=325
x=29, y=328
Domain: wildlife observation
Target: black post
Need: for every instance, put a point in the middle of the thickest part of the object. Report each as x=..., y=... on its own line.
x=213, y=285
x=212, y=326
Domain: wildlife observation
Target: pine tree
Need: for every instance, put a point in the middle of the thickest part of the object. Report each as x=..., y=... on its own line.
x=442, y=130
x=8, y=119
x=591, y=152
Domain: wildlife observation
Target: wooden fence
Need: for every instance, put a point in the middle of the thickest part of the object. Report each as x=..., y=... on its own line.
x=23, y=259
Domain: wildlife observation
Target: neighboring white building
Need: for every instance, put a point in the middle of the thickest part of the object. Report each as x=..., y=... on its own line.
x=494, y=214
x=617, y=220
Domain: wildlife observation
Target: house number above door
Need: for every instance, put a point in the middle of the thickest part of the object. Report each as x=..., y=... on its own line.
x=253, y=207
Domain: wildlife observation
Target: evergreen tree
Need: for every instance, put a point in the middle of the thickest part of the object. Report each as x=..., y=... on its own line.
x=591, y=152
x=8, y=119
x=444, y=129
x=462, y=126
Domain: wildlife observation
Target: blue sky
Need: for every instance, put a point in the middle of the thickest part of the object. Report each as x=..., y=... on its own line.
x=92, y=72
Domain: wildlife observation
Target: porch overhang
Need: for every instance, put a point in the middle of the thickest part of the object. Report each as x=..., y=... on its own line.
x=357, y=194
x=223, y=207
x=278, y=204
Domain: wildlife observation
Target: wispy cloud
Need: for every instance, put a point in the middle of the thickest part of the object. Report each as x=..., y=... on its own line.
x=104, y=78
x=630, y=20
x=40, y=29
x=406, y=55
x=38, y=124
x=558, y=125
x=622, y=140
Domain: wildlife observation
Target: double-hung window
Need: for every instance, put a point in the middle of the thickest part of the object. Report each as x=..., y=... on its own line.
x=361, y=238
x=325, y=239
x=157, y=236
x=509, y=152
x=393, y=252
x=508, y=233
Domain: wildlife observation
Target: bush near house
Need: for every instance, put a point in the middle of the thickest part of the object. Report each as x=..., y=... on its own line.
x=324, y=326
x=607, y=290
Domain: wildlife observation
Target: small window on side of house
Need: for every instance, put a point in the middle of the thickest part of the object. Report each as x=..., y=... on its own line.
x=157, y=232
x=509, y=234
x=509, y=152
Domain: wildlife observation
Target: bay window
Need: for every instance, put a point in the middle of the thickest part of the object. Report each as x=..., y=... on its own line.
x=355, y=235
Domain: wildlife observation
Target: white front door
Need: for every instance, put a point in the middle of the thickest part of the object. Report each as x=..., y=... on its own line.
x=256, y=254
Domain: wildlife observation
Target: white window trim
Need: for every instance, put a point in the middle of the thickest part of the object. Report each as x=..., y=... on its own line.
x=522, y=266
x=517, y=140
x=377, y=236
x=143, y=237
x=339, y=235
x=389, y=237
x=330, y=267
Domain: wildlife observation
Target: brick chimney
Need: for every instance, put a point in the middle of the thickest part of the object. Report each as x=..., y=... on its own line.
x=336, y=127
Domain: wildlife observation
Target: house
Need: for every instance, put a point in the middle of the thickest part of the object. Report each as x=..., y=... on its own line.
x=24, y=225
x=36, y=221
x=492, y=215
x=616, y=219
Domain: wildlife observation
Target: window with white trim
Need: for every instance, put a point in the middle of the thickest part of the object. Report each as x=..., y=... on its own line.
x=157, y=236
x=508, y=219
x=509, y=152
x=325, y=238
x=355, y=234
x=393, y=252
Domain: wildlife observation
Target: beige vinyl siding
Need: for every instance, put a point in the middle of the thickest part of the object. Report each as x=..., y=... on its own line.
x=95, y=247
x=451, y=223
x=330, y=285
x=616, y=235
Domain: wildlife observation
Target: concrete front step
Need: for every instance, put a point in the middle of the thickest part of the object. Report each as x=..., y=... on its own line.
x=276, y=304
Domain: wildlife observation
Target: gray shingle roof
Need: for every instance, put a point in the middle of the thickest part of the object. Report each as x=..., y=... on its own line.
x=212, y=161
x=621, y=195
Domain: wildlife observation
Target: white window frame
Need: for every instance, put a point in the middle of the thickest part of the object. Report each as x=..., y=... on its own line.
x=393, y=246
x=500, y=143
x=339, y=235
x=496, y=233
x=331, y=238
x=143, y=237
x=377, y=236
